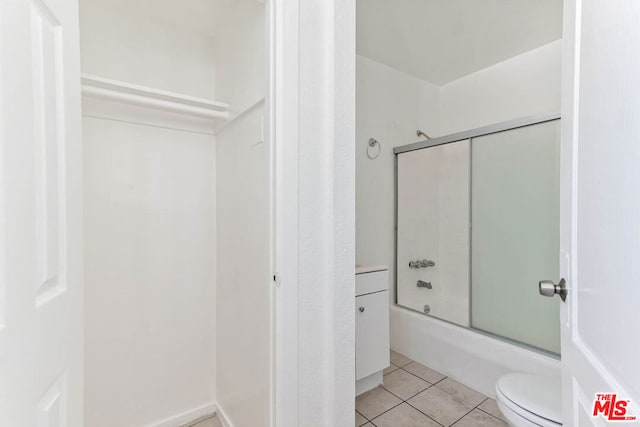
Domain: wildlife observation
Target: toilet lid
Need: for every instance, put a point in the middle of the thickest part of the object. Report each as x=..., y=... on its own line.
x=537, y=394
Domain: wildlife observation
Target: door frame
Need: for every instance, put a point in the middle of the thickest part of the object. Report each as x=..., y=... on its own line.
x=311, y=122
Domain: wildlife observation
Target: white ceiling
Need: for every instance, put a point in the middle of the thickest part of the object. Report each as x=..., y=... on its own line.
x=199, y=17
x=435, y=40
x=443, y=40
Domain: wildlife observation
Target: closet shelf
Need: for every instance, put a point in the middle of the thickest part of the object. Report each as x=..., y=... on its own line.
x=141, y=96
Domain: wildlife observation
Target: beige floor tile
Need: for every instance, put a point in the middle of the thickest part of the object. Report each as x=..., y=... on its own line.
x=390, y=369
x=369, y=425
x=398, y=359
x=404, y=416
x=360, y=420
x=424, y=372
x=440, y=405
x=469, y=396
x=209, y=422
x=491, y=407
x=375, y=402
x=403, y=384
x=477, y=418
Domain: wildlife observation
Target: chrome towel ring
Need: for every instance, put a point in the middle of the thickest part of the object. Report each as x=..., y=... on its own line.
x=371, y=149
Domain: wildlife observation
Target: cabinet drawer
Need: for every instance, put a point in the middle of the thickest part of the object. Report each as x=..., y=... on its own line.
x=367, y=283
x=372, y=333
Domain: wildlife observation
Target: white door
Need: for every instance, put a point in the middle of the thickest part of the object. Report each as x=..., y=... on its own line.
x=600, y=211
x=40, y=215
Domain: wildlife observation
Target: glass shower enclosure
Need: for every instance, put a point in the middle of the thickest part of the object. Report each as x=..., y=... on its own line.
x=477, y=226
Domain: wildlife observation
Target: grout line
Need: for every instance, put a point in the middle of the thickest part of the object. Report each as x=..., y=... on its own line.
x=438, y=382
x=434, y=385
x=479, y=409
x=368, y=420
x=454, y=423
x=382, y=413
x=400, y=366
x=482, y=410
x=472, y=409
x=421, y=377
x=425, y=414
x=397, y=368
x=362, y=416
x=411, y=397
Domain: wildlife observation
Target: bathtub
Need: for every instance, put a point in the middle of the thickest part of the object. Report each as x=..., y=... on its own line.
x=470, y=357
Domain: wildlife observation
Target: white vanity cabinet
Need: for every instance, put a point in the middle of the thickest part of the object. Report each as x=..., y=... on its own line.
x=372, y=326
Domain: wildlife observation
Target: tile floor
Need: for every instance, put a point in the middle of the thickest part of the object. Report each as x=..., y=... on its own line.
x=414, y=395
x=208, y=421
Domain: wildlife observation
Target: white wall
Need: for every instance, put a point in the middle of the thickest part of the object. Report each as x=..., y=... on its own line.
x=120, y=46
x=241, y=56
x=149, y=272
x=391, y=106
x=243, y=312
x=524, y=85
x=243, y=223
x=149, y=233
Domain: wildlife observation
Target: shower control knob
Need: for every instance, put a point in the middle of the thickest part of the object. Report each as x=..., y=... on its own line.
x=361, y=309
x=421, y=263
x=423, y=284
x=548, y=289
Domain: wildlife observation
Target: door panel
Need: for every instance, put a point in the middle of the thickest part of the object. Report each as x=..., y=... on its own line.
x=41, y=216
x=600, y=207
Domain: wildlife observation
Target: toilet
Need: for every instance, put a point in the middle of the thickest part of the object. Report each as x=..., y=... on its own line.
x=529, y=400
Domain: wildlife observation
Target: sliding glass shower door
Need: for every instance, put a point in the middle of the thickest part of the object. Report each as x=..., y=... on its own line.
x=515, y=207
x=478, y=227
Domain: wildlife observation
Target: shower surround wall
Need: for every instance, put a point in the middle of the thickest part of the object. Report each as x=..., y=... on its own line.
x=391, y=105
x=433, y=223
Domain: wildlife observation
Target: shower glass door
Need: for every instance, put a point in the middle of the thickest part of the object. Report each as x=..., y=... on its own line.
x=478, y=227
x=515, y=208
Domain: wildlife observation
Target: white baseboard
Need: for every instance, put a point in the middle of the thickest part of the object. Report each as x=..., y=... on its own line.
x=187, y=416
x=222, y=416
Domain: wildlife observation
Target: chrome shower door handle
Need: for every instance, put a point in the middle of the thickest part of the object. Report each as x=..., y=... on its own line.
x=548, y=289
